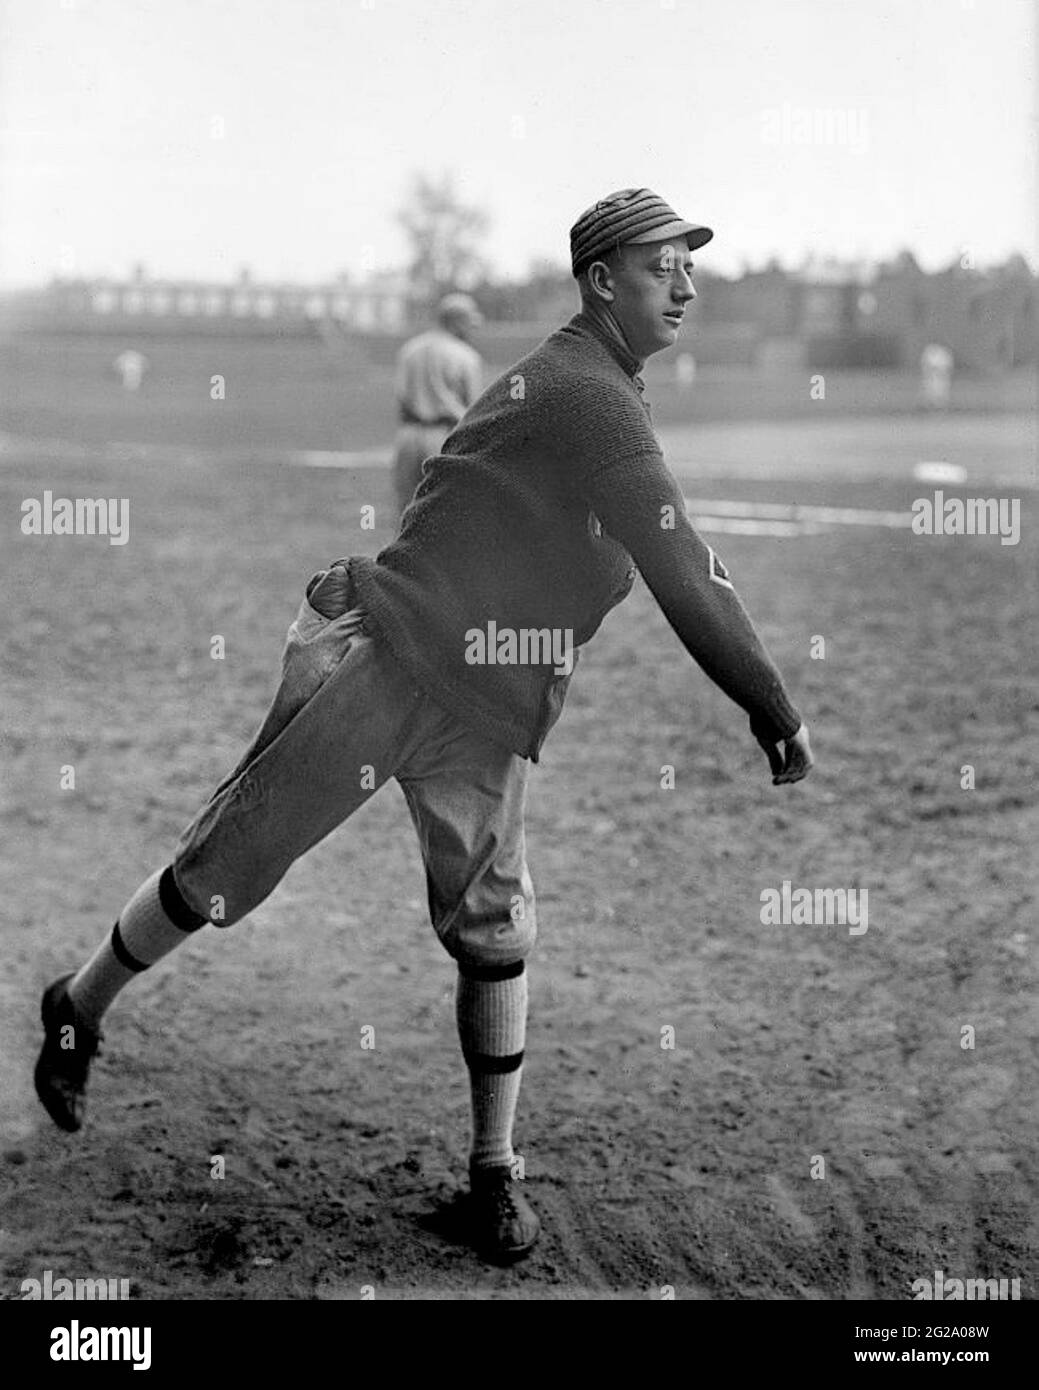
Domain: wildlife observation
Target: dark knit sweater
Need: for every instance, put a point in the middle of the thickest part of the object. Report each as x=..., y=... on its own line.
x=544, y=499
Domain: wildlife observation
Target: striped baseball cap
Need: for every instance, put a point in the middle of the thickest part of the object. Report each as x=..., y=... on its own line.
x=630, y=215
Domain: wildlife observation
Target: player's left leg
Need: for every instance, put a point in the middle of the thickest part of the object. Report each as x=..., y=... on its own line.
x=466, y=797
x=342, y=720
x=415, y=444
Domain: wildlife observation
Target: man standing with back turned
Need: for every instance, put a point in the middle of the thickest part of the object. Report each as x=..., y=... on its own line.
x=438, y=663
x=438, y=378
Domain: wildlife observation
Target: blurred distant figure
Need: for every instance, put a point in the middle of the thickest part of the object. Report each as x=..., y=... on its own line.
x=685, y=369
x=936, y=364
x=438, y=378
x=131, y=366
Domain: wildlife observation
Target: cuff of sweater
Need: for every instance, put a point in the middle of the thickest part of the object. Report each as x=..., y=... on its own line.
x=779, y=720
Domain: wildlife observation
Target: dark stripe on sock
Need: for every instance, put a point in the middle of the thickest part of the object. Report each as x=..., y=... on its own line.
x=492, y=1066
x=172, y=902
x=492, y=972
x=122, y=955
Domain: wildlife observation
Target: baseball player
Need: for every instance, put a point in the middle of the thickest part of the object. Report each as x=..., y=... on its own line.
x=436, y=664
x=438, y=378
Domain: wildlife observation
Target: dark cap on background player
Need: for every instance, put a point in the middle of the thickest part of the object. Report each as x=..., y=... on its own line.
x=632, y=216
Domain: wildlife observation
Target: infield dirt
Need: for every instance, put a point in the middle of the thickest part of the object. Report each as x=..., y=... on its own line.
x=652, y=1167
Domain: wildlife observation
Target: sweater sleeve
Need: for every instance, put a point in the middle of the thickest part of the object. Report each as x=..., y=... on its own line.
x=639, y=503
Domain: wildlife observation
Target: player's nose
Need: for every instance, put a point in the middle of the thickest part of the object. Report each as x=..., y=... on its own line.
x=682, y=288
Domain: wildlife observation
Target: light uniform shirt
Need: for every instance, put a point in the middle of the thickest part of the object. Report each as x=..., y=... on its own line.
x=438, y=377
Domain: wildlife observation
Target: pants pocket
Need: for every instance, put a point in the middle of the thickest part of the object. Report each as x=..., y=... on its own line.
x=321, y=632
x=331, y=591
x=315, y=646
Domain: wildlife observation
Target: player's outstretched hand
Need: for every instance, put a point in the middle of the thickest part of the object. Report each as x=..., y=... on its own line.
x=790, y=760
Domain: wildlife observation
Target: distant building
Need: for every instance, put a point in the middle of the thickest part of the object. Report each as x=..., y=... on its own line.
x=766, y=298
x=380, y=303
x=988, y=320
x=825, y=314
x=836, y=314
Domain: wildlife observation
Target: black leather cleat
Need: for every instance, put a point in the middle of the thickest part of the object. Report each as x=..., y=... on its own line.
x=64, y=1061
x=503, y=1224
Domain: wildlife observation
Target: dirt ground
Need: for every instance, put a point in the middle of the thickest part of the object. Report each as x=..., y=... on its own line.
x=688, y=1168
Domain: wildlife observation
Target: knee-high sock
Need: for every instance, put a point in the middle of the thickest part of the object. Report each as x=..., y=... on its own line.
x=153, y=922
x=491, y=1008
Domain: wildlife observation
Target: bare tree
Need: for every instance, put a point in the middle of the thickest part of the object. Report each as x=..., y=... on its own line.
x=444, y=233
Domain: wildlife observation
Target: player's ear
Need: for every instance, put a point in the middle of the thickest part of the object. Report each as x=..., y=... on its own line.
x=600, y=281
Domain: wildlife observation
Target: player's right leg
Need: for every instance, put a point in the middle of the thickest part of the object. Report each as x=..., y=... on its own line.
x=466, y=796
x=337, y=746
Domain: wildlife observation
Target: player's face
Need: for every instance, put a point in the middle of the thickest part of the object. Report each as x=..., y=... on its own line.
x=652, y=286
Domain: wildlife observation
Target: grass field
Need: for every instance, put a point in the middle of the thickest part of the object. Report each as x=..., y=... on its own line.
x=688, y=1167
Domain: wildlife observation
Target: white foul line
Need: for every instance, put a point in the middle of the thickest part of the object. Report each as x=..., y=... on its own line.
x=712, y=514
x=744, y=526
x=711, y=507
x=338, y=458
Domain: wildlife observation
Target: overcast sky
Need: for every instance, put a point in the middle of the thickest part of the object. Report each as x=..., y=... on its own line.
x=198, y=135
